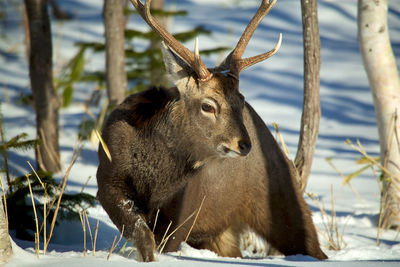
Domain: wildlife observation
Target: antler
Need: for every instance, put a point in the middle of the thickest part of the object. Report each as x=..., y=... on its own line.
x=193, y=60
x=237, y=64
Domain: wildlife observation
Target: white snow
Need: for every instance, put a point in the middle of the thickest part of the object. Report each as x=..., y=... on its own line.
x=274, y=88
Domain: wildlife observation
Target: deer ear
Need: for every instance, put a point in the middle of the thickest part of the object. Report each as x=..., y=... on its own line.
x=179, y=72
x=226, y=63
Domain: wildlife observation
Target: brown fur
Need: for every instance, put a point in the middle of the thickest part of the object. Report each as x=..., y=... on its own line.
x=166, y=154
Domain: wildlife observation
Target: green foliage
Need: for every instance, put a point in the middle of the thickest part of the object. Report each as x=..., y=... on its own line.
x=20, y=209
x=143, y=65
x=19, y=205
x=18, y=142
x=25, y=99
x=158, y=12
x=86, y=128
x=71, y=74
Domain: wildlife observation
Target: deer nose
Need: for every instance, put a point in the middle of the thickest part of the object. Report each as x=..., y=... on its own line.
x=244, y=147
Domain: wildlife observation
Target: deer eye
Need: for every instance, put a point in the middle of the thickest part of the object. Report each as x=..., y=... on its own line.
x=207, y=108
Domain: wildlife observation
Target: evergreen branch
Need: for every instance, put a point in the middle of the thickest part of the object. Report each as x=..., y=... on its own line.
x=24, y=145
x=157, y=12
x=207, y=52
x=189, y=35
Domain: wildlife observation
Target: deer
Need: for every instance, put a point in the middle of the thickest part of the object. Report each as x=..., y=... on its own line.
x=200, y=148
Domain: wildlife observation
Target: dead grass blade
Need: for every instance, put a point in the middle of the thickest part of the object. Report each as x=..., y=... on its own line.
x=280, y=138
x=75, y=156
x=346, y=181
x=103, y=145
x=331, y=232
x=82, y=218
x=372, y=160
x=194, y=222
x=43, y=226
x=90, y=230
x=114, y=245
x=95, y=237
x=165, y=240
x=37, y=240
x=155, y=221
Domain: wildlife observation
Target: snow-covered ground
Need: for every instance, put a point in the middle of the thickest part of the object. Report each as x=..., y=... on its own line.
x=274, y=88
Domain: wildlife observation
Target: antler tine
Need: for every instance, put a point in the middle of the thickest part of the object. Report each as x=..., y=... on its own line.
x=238, y=63
x=262, y=11
x=241, y=64
x=197, y=65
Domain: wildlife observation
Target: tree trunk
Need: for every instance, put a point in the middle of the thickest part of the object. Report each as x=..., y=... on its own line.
x=380, y=65
x=115, y=51
x=311, y=104
x=158, y=76
x=5, y=243
x=46, y=101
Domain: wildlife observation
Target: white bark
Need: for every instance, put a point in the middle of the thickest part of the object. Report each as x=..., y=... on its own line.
x=384, y=81
x=5, y=243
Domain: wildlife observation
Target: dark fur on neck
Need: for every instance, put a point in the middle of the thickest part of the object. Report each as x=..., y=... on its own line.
x=148, y=106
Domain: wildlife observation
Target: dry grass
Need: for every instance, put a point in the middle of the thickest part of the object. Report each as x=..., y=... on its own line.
x=83, y=222
x=43, y=226
x=331, y=232
x=75, y=156
x=95, y=237
x=166, y=237
x=194, y=222
x=378, y=170
x=279, y=137
x=37, y=239
x=115, y=244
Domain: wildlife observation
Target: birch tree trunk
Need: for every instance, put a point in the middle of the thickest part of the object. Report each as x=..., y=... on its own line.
x=5, y=244
x=380, y=65
x=311, y=104
x=45, y=99
x=114, y=26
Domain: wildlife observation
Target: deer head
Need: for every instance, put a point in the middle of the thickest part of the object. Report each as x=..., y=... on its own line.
x=211, y=97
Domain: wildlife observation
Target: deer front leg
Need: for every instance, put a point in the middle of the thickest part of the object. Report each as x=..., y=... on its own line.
x=140, y=234
x=130, y=221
